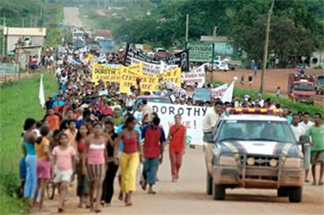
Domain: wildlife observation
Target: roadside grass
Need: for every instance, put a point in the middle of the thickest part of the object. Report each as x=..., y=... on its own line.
x=17, y=102
x=283, y=101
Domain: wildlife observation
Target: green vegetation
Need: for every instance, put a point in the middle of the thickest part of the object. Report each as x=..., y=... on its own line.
x=34, y=13
x=283, y=101
x=18, y=102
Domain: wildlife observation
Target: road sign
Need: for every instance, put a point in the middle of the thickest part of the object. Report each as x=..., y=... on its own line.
x=9, y=68
x=200, y=52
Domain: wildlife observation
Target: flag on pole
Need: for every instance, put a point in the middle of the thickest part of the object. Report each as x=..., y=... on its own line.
x=41, y=94
x=228, y=94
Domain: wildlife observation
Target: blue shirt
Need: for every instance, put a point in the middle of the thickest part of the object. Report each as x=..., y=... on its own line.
x=120, y=128
x=30, y=148
x=58, y=103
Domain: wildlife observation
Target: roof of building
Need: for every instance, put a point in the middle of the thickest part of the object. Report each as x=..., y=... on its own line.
x=215, y=39
x=13, y=31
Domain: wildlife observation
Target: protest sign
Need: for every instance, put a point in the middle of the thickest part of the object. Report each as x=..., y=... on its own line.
x=202, y=94
x=136, y=69
x=148, y=68
x=173, y=75
x=195, y=76
x=228, y=94
x=105, y=73
x=200, y=52
x=192, y=118
x=218, y=92
x=128, y=79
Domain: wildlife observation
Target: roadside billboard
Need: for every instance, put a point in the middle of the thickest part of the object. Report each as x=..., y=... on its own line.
x=200, y=52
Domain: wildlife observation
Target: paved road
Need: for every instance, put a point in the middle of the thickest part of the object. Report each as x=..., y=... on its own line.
x=187, y=196
x=71, y=16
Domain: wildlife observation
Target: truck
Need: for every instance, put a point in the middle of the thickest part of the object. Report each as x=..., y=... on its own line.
x=77, y=35
x=254, y=148
x=301, y=88
x=320, y=84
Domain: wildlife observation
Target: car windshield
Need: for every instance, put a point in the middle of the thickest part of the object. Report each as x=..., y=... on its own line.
x=247, y=130
x=321, y=80
x=304, y=87
x=78, y=34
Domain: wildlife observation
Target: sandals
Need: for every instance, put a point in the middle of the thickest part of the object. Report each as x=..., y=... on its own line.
x=60, y=210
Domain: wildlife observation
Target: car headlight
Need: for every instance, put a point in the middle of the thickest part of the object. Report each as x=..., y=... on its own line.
x=293, y=163
x=227, y=161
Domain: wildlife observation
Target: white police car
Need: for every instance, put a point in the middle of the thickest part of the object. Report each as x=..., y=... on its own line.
x=253, y=149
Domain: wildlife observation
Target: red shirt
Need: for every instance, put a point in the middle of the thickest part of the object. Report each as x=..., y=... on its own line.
x=177, y=138
x=153, y=138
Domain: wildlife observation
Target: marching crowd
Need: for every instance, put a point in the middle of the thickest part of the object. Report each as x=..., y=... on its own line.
x=94, y=138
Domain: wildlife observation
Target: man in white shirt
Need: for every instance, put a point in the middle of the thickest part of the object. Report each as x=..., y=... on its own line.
x=211, y=119
x=296, y=128
x=306, y=124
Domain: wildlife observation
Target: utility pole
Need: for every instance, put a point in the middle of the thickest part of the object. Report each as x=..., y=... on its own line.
x=213, y=53
x=23, y=22
x=187, y=31
x=3, y=35
x=266, y=46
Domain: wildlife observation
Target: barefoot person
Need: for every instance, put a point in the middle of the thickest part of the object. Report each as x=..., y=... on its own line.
x=30, y=160
x=94, y=163
x=82, y=187
x=108, y=185
x=129, y=158
x=43, y=168
x=316, y=132
x=64, y=159
x=177, y=141
x=154, y=138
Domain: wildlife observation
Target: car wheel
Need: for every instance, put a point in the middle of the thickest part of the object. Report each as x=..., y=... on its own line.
x=281, y=192
x=295, y=194
x=209, y=184
x=219, y=192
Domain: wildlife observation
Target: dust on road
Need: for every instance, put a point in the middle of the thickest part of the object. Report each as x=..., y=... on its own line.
x=71, y=16
x=187, y=196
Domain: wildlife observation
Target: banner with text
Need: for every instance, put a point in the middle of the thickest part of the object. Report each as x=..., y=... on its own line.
x=200, y=52
x=192, y=118
x=195, y=76
x=105, y=73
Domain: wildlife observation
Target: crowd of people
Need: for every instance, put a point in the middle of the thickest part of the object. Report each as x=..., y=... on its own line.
x=96, y=137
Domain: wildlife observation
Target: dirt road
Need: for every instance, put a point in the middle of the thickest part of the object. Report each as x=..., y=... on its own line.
x=187, y=196
x=273, y=78
x=71, y=16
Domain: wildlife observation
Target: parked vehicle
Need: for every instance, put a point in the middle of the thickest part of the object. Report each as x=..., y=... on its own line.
x=221, y=65
x=253, y=149
x=94, y=48
x=106, y=44
x=320, y=84
x=78, y=35
x=301, y=87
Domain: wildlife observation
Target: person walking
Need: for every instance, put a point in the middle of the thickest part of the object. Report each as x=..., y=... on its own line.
x=94, y=163
x=154, y=139
x=71, y=132
x=108, y=184
x=64, y=159
x=30, y=160
x=129, y=158
x=306, y=124
x=43, y=168
x=177, y=145
x=316, y=132
x=82, y=180
x=277, y=92
x=250, y=78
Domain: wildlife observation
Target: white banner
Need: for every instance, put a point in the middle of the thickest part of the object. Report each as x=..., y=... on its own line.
x=228, y=94
x=218, y=92
x=153, y=69
x=192, y=118
x=194, y=77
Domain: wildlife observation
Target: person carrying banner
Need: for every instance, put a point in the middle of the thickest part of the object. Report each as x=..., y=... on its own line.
x=177, y=145
x=154, y=138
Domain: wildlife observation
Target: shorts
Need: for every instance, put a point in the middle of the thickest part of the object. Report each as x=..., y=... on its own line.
x=22, y=169
x=63, y=176
x=96, y=171
x=43, y=169
x=317, y=157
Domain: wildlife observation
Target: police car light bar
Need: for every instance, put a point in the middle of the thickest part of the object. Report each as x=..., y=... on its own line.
x=253, y=111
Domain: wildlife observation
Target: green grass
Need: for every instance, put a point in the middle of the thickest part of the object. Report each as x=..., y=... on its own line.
x=18, y=101
x=283, y=101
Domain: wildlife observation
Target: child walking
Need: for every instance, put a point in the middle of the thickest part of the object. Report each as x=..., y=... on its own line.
x=43, y=167
x=64, y=159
